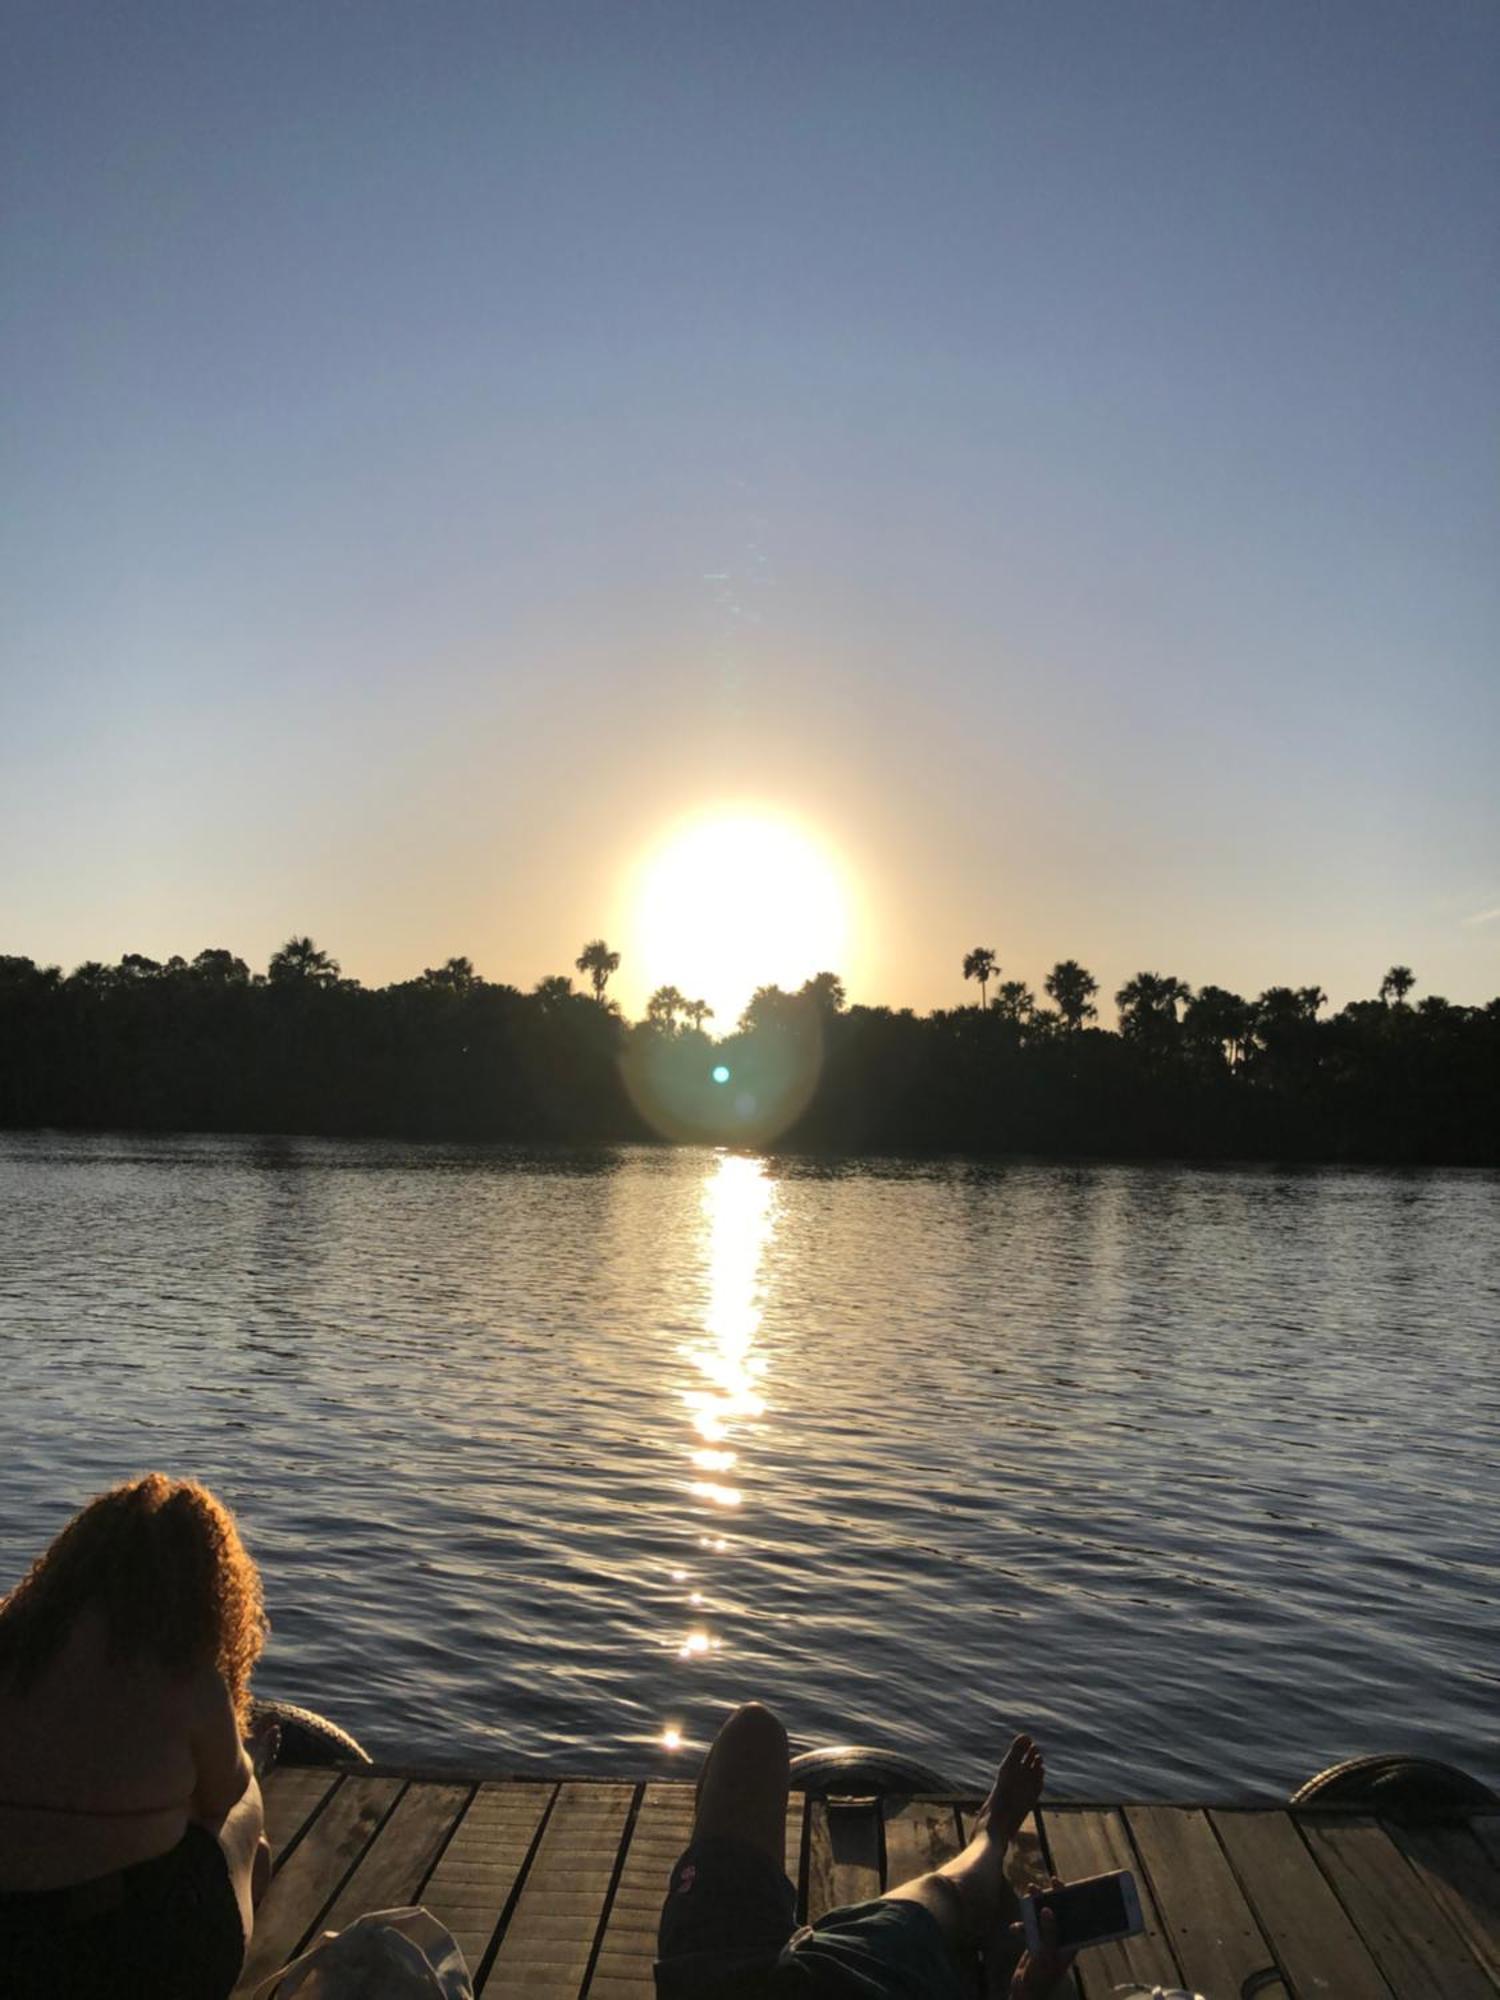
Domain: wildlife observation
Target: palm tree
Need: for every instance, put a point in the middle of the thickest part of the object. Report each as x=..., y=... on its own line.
x=1397, y=983
x=456, y=974
x=697, y=1012
x=1217, y=1022
x=1073, y=990
x=1284, y=1021
x=1014, y=1001
x=825, y=991
x=554, y=989
x=1148, y=1006
x=300, y=963
x=767, y=1007
x=980, y=964
x=662, y=1009
x=1284, y=1004
x=598, y=961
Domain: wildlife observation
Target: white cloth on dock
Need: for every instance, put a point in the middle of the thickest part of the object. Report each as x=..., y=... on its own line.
x=387, y=1955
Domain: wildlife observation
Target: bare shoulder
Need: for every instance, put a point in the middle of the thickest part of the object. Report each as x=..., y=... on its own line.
x=222, y=1769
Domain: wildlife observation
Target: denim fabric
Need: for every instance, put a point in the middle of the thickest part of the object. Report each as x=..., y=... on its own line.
x=727, y=1934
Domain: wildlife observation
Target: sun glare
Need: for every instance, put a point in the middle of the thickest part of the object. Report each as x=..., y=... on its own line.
x=732, y=901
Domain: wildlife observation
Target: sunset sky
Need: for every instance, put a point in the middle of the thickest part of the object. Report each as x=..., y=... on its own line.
x=1044, y=453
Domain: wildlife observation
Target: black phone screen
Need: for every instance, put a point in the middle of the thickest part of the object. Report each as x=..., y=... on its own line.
x=1086, y=1910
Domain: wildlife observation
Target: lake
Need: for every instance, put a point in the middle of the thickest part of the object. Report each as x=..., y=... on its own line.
x=1192, y=1472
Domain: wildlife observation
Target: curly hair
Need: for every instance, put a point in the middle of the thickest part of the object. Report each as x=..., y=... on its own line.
x=163, y=1562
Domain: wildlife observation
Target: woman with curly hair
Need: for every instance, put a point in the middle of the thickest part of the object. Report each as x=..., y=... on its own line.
x=131, y=1830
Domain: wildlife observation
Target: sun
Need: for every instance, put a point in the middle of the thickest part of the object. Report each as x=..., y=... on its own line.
x=734, y=899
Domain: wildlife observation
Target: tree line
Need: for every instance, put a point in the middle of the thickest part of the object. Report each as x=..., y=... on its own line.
x=208, y=1045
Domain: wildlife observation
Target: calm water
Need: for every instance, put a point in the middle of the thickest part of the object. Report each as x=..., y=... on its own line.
x=1194, y=1473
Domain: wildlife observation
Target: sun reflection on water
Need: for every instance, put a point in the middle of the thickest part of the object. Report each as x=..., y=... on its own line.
x=738, y=1211
x=737, y=1207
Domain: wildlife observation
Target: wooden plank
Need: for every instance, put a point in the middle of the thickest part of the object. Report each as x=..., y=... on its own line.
x=663, y=1827
x=1025, y=1865
x=1416, y=1947
x=843, y=1854
x=919, y=1837
x=546, y=1947
x=796, y=1831
x=1463, y=1880
x=854, y=1839
x=1082, y=1842
x=314, y=1872
x=476, y=1875
x=1212, y=1929
x=396, y=1863
x=820, y=1892
x=291, y=1797
x=1316, y=1944
x=1025, y=1858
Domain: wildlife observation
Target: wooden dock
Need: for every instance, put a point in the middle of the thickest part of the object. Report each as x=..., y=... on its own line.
x=554, y=1889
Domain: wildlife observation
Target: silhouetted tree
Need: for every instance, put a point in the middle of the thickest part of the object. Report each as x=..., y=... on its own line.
x=1148, y=1006
x=662, y=1009
x=454, y=975
x=825, y=991
x=766, y=1007
x=220, y=968
x=202, y=1046
x=599, y=962
x=980, y=964
x=21, y=972
x=1015, y=1002
x=1072, y=991
x=1397, y=983
x=1216, y=1024
x=300, y=963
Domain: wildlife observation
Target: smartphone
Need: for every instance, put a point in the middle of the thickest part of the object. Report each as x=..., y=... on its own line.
x=1088, y=1912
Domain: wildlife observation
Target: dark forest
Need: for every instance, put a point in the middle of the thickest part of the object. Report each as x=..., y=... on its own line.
x=208, y=1046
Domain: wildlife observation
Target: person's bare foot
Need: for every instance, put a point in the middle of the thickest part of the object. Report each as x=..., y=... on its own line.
x=978, y=1873
x=969, y=1894
x=1017, y=1787
x=1014, y=1794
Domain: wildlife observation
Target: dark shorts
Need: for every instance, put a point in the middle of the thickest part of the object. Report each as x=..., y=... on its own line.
x=729, y=1932
x=167, y=1929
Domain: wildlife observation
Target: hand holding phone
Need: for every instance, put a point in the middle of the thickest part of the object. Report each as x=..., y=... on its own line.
x=1094, y=1911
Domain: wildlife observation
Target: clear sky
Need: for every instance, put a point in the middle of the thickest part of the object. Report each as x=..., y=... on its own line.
x=1049, y=450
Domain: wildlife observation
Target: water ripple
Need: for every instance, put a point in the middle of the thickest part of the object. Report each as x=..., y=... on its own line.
x=548, y=1456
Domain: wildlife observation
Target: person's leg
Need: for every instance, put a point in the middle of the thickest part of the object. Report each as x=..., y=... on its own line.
x=969, y=1896
x=966, y=1907
x=729, y=1904
x=743, y=1787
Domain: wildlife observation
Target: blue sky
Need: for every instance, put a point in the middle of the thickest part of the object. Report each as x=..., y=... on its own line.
x=1050, y=449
